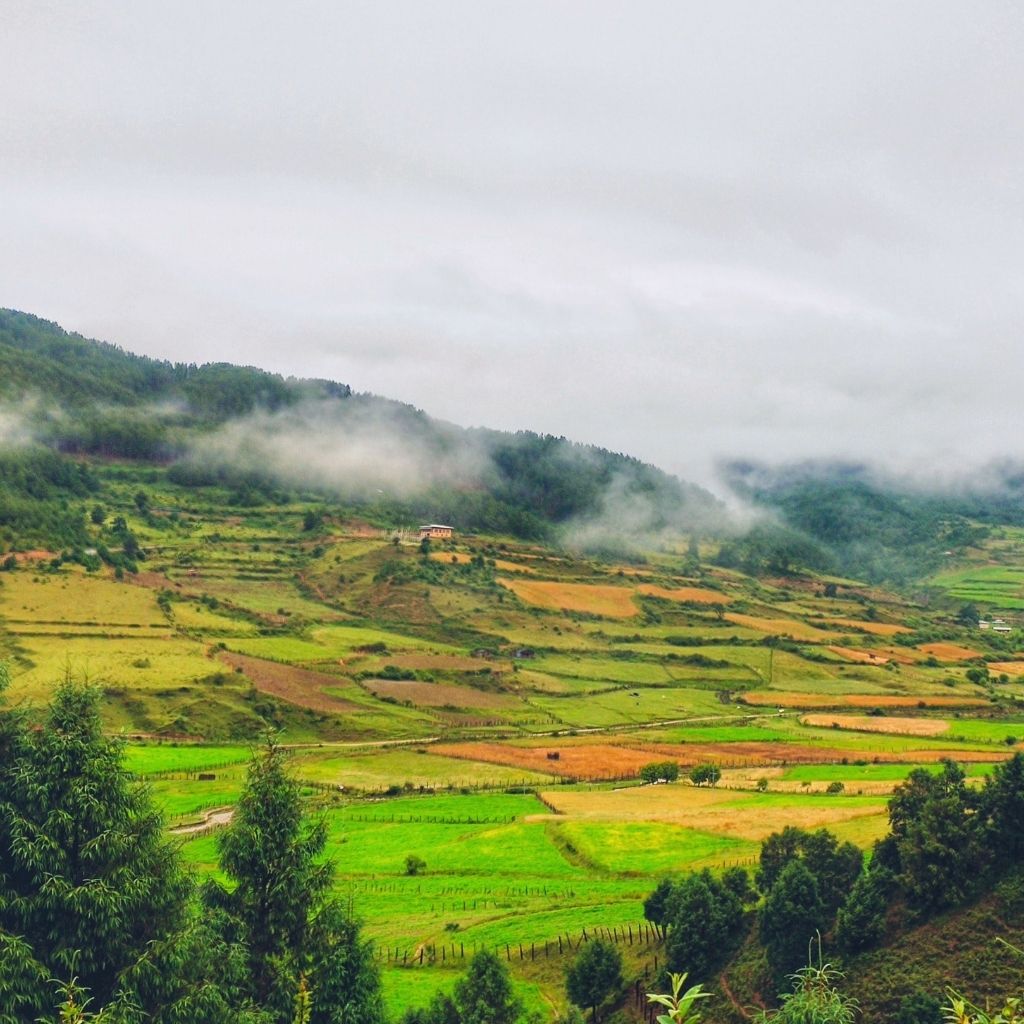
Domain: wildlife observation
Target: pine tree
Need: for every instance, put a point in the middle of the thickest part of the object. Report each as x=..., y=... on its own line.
x=88, y=882
x=279, y=907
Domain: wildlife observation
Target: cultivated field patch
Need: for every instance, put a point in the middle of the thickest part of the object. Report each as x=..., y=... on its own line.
x=592, y=761
x=438, y=695
x=877, y=628
x=864, y=723
x=688, y=595
x=780, y=627
x=1011, y=668
x=778, y=698
x=298, y=686
x=749, y=816
x=859, y=655
x=592, y=598
x=949, y=652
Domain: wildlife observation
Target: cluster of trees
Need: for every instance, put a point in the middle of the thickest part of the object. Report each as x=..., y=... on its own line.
x=874, y=528
x=100, y=922
x=38, y=489
x=947, y=843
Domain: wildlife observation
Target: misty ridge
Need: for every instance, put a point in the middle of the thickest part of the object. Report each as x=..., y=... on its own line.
x=259, y=435
x=367, y=448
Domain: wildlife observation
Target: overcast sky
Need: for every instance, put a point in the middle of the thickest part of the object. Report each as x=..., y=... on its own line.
x=687, y=231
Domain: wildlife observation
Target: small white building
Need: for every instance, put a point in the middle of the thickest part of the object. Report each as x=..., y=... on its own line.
x=436, y=531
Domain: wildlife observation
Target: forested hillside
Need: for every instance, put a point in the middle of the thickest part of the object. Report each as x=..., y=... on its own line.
x=219, y=424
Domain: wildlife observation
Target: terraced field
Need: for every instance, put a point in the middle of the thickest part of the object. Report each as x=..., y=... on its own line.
x=488, y=707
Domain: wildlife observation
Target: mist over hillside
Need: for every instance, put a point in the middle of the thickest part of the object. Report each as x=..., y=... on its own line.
x=253, y=431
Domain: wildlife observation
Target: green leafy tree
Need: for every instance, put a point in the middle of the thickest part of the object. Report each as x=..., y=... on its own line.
x=777, y=851
x=834, y=866
x=440, y=1010
x=344, y=982
x=705, y=775
x=1003, y=807
x=704, y=917
x=415, y=865
x=790, y=917
x=860, y=923
x=595, y=975
x=737, y=881
x=667, y=770
x=938, y=836
x=656, y=906
x=484, y=994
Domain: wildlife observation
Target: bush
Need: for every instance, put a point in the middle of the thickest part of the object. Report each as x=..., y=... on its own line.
x=656, y=770
x=705, y=774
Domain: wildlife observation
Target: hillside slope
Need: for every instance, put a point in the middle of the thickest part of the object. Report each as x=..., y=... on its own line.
x=249, y=429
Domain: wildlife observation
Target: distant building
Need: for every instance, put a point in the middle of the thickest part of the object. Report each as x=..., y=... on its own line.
x=436, y=531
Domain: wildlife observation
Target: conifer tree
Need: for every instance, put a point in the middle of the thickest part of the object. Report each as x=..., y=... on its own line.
x=279, y=907
x=88, y=881
x=484, y=994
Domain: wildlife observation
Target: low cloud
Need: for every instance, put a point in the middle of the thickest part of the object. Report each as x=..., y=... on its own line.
x=359, y=446
x=17, y=423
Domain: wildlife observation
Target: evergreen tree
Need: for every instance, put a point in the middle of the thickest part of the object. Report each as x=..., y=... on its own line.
x=484, y=994
x=938, y=836
x=860, y=923
x=704, y=918
x=89, y=885
x=656, y=905
x=595, y=975
x=279, y=909
x=343, y=976
x=737, y=881
x=1003, y=803
x=835, y=866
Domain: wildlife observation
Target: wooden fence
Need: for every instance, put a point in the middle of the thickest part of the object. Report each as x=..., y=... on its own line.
x=430, y=954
